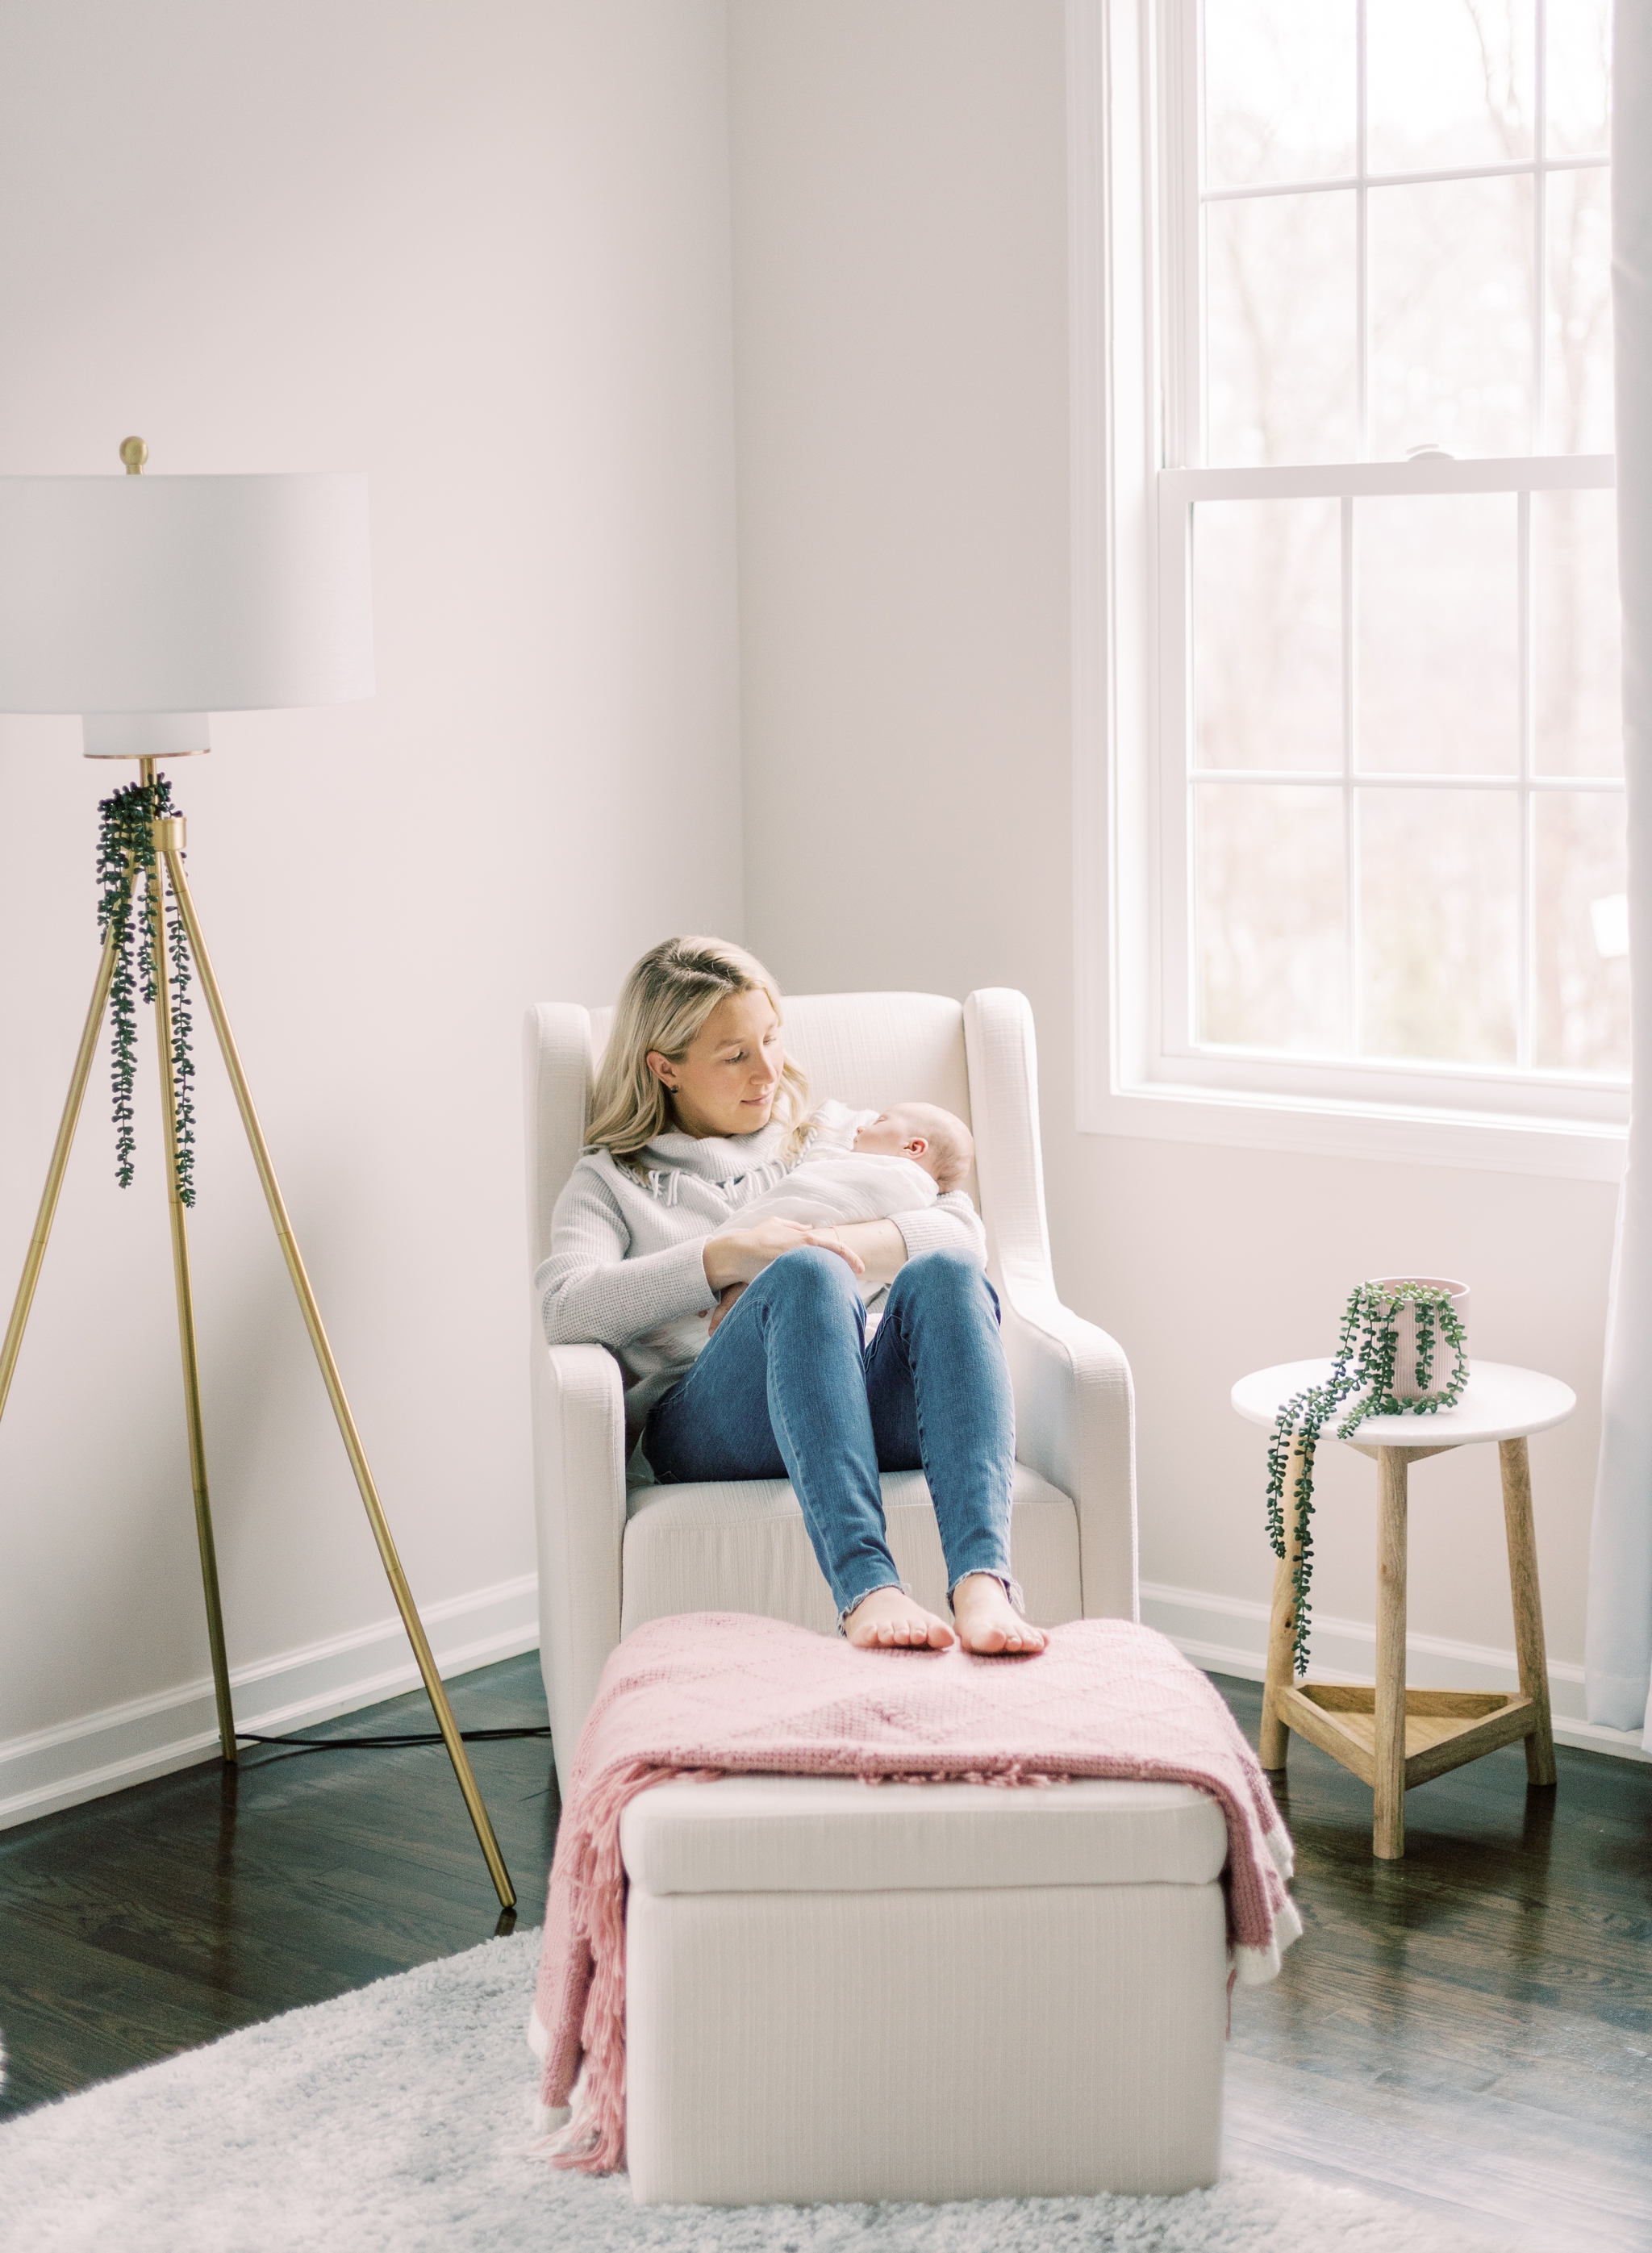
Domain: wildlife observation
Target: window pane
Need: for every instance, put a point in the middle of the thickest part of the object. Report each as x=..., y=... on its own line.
x=1269, y=952
x=1577, y=710
x=1452, y=281
x=1579, y=314
x=1581, y=936
x=1267, y=628
x=1436, y=579
x=1280, y=329
x=1449, y=82
x=1438, y=879
x=1580, y=37
x=1279, y=78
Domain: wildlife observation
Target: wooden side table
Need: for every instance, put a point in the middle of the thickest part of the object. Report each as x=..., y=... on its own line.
x=1391, y=1736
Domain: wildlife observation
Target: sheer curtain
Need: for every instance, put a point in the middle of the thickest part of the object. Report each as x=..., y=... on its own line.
x=1619, y=1651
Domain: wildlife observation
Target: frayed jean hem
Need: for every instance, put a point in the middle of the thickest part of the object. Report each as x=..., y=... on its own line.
x=1011, y=1588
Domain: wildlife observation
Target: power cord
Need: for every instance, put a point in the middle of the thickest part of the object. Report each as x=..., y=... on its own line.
x=385, y=1744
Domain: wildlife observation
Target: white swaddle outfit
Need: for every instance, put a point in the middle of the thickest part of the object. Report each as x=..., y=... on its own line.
x=830, y=1185
x=826, y=1192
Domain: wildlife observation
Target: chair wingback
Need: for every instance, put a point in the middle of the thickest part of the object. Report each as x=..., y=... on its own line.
x=1003, y=1070
x=556, y=1091
x=871, y=1049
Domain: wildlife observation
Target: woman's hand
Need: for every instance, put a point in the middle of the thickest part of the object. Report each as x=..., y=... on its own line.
x=741, y=1254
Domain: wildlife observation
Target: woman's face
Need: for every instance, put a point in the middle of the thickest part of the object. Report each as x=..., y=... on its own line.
x=726, y=1081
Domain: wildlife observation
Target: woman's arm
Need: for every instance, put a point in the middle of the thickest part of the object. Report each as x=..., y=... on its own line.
x=739, y=1255
x=883, y=1247
x=596, y=1290
x=876, y=1250
x=879, y=1245
x=591, y=1292
x=952, y=1224
x=873, y=1249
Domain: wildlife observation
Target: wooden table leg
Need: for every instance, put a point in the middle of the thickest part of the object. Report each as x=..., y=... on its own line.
x=1275, y=1738
x=1388, y=1829
x=1516, y=1464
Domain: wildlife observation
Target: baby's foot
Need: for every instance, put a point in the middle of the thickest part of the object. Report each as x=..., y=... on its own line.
x=988, y=1623
x=888, y=1620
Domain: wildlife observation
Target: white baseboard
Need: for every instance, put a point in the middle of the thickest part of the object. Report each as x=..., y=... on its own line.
x=1229, y=1634
x=104, y=1752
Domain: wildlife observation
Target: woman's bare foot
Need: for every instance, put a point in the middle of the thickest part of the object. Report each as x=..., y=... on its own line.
x=988, y=1623
x=888, y=1620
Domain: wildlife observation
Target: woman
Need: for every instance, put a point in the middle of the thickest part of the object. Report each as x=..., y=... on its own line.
x=696, y=1111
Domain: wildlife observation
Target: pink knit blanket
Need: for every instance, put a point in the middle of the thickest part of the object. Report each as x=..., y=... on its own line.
x=716, y=1693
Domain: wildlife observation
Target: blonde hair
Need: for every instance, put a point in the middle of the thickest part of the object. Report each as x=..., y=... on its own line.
x=667, y=999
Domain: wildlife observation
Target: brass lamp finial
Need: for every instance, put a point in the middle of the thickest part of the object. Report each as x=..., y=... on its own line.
x=135, y=452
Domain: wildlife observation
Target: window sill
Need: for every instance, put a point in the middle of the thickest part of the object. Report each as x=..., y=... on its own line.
x=1320, y=1127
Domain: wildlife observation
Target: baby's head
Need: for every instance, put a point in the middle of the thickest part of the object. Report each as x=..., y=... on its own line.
x=930, y=1137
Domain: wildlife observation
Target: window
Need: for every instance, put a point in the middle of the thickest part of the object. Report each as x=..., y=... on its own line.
x=1383, y=813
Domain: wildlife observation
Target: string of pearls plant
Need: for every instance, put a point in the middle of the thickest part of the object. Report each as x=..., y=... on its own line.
x=1366, y=1363
x=126, y=855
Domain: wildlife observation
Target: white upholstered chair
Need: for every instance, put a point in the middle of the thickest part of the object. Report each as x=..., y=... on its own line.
x=610, y=1559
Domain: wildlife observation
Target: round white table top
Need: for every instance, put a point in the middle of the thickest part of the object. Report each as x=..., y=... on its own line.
x=1499, y=1402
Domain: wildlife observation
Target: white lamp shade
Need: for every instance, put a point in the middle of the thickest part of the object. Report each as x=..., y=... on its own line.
x=184, y=595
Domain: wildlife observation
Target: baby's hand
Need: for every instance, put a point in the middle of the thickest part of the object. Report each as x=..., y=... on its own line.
x=726, y=1300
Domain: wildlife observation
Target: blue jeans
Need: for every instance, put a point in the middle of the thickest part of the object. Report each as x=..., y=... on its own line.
x=789, y=1388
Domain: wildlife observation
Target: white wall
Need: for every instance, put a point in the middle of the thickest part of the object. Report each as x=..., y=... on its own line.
x=481, y=252
x=900, y=287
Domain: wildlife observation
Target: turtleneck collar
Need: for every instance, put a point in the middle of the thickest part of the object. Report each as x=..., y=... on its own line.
x=719, y=1157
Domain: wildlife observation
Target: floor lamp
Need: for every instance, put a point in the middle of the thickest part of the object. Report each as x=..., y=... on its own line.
x=144, y=604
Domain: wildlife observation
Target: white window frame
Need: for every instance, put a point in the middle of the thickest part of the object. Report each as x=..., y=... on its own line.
x=1130, y=171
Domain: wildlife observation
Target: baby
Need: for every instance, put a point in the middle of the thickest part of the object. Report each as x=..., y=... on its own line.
x=865, y=1165
x=921, y=1133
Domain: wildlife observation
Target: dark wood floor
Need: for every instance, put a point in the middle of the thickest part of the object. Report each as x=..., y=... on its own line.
x=164, y=1916
x=1470, y=2030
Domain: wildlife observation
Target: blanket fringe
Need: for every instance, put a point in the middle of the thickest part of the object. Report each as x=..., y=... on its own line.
x=593, y=2142
x=1002, y=1779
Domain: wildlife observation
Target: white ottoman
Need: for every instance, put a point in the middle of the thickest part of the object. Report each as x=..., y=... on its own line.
x=837, y=1991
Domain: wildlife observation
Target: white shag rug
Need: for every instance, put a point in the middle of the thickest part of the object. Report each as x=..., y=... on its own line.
x=398, y=2118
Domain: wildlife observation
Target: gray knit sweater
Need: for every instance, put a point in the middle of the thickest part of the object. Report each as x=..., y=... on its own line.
x=626, y=1268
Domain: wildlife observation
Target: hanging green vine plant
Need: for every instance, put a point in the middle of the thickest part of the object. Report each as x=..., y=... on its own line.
x=1366, y=1353
x=126, y=860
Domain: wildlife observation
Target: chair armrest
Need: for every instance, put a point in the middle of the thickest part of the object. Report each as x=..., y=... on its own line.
x=578, y=1507
x=1075, y=1425
x=1075, y=1409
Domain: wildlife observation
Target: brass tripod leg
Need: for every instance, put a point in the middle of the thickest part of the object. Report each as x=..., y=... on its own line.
x=55, y=1171
x=376, y=1518
x=186, y=1325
